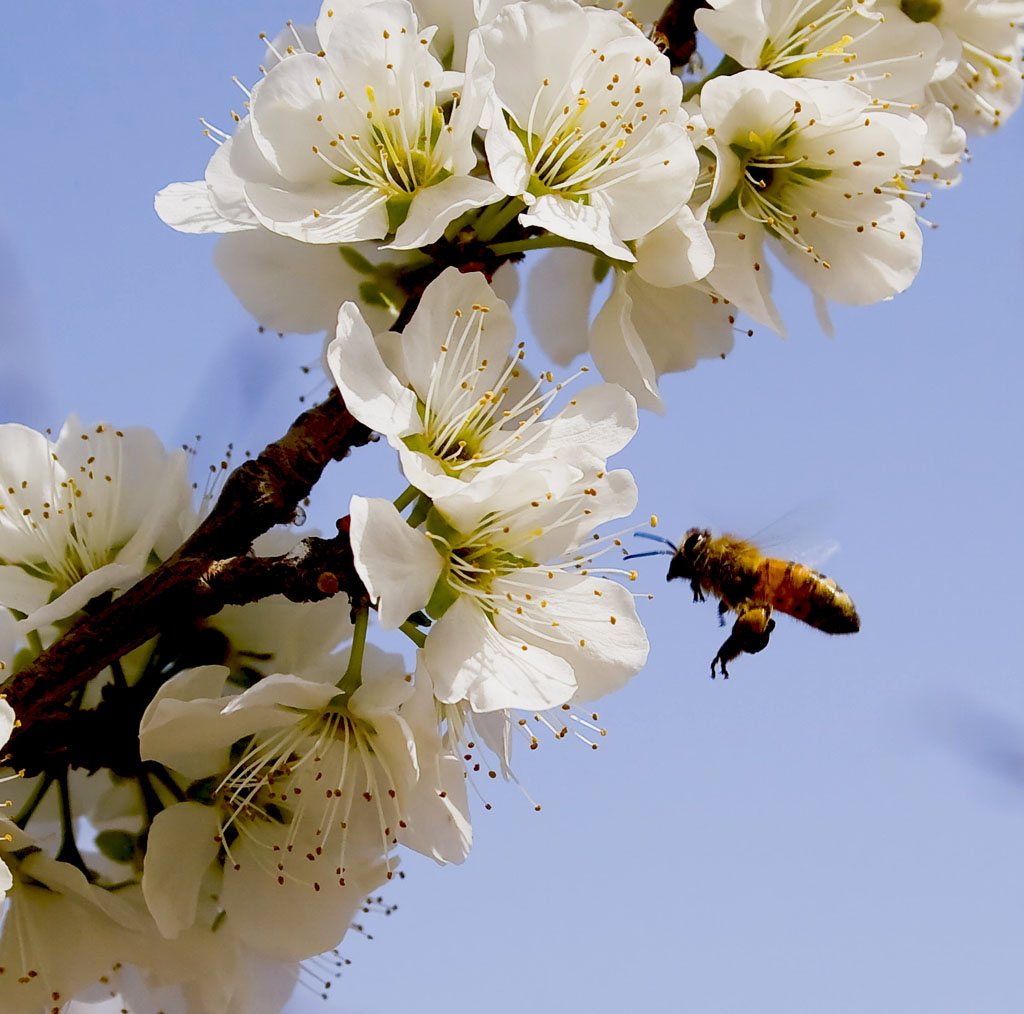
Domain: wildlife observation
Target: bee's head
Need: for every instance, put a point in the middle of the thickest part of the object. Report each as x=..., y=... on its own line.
x=685, y=563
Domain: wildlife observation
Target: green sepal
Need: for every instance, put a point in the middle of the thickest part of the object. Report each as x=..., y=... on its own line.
x=117, y=846
x=720, y=210
x=418, y=443
x=371, y=294
x=442, y=598
x=438, y=525
x=398, y=209
x=921, y=10
x=356, y=261
x=245, y=676
x=203, y=791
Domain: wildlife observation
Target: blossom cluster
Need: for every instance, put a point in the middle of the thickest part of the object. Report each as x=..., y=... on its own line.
x=393, y=163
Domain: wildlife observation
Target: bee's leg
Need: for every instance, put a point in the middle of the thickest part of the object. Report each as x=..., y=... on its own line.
x=729, y=650
x=750, y=634
x=722, y=610
x=698, y=595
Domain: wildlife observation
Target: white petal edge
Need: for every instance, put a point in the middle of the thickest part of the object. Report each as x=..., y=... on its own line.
x=398, y=565
x=182, y=844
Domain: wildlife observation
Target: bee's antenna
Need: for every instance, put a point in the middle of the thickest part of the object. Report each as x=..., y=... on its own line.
x=656, y=538
x=653, y=552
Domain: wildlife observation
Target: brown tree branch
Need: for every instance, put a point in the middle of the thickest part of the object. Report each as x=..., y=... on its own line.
x=171, y=597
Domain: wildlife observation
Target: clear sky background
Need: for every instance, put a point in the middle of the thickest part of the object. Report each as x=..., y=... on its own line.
x=836, y=829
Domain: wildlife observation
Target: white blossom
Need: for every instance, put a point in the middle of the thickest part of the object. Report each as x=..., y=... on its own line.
x=302, y=820
x=84, y=514
x=945, y=150
x=812, y=167
x=454, y=20
x=354, y=144
x=591, y=134
x=451, y=395
x=522, y=622
x=61, y=934
x=979, y=75
x=65, y=938
x=643, y=13
x=202, y=971
x=871, y=44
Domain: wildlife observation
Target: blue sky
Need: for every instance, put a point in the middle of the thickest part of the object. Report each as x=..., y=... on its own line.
x=838, y=828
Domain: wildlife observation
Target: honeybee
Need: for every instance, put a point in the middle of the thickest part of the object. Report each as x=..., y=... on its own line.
x=752, y=585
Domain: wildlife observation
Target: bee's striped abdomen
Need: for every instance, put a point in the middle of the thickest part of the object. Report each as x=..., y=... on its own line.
x=806, y=595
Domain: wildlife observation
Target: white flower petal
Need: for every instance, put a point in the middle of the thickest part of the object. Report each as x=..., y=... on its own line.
x=112, y=577
x=470, y=659
x=269, y=701
x=679, y=326
x=862, y=268
x=676, y=253
x=288, y=119
x=582, y=223
x=398, y=565
x=561, y=288
x=25, y=464
x=290, y=286
x=506, y=159
x=306, y=921
x=619, y=353
x=320, y=213
x=7, y=718
x=23, y=591
x=372, y=393
x=181, y=845
x=593, y=626
x=741, y=272
x=445, y=311
x=597, y=423
x=434, y=207
x=187, y=208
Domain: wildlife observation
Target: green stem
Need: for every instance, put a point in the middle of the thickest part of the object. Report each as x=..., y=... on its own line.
x=412, y=260
x=414, y=634
x=35, y=642
x=536, y=243
x=119, y=679
x=150, y=797
x=497, y=216
x=404, y=499
x=420, y=511
x=465, y=221
x=33, y=801
x=68, y=848
x=160, y=773
x=354, y=673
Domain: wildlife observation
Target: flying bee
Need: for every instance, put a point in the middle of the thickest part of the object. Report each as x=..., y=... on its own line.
x=752, y=585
